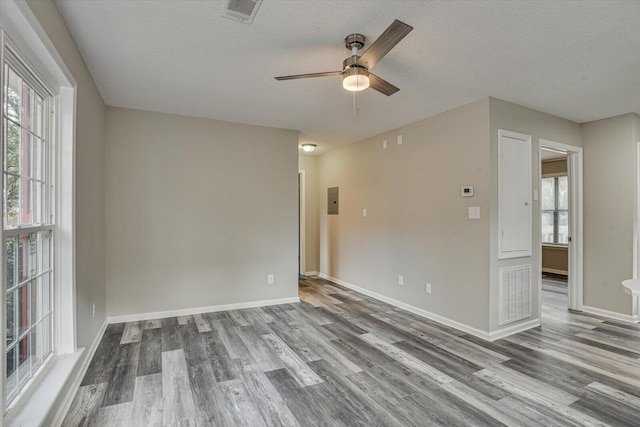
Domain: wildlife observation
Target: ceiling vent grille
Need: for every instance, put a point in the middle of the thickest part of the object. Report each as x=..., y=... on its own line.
x=241, y=10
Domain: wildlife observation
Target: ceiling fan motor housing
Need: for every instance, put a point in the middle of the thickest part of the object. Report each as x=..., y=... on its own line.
x=354, y=40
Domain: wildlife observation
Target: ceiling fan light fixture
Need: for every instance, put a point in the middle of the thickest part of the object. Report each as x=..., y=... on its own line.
x=355, y=79
x=308, y=148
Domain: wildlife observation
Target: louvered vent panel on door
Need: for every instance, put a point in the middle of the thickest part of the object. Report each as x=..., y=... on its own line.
x=515, y=294
x=241, y=10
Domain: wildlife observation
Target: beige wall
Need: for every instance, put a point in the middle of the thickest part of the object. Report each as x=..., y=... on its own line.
x=309, y=164
x=416, y=223
x=609, y=192
x=505, y=115
x=90, y=170
x=199, y=212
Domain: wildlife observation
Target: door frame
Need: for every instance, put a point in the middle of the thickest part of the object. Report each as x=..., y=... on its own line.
x=576, y=249
x=301, y=223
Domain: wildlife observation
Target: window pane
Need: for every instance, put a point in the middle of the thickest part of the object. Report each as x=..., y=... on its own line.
x=563, y=227
x=28, y=107
x=546, y=225
x=12, y=147
x=44, y=243
x=14, y=95
x=24, y=363
x=33, y=254
x=46, y=293
x=12, y=380
x=36, y=156
x=11, y=262
x=39, y=117
x=23, y=308
x=23, y=259
x=12, y=192
x=36, y=300
x=11, y=317
x=35, y=347
x=46, y=336
x=548, y=194
x=563, y=193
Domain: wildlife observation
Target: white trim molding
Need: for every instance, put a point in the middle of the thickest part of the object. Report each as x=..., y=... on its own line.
x=501, y=333
x=199, y=310
x=70, y=393
x=611, y=314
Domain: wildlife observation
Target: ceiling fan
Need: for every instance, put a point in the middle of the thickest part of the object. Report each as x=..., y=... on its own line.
x=355, y=73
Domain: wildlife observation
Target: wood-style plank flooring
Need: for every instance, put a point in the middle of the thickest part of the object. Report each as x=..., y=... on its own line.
x=340, y=358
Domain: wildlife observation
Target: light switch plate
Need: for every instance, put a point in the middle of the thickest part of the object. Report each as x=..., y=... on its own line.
x=474, y=212
x=399, y=139
x=535, y=194
x=364, y=212
x=384, y=144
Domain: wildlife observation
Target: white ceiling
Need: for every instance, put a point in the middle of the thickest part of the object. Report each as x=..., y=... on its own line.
x=579, y=60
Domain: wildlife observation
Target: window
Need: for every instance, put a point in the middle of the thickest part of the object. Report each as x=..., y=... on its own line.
x=555, y=210
x=27, y=225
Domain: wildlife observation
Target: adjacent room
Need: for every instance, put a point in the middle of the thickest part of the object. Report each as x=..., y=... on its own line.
x=313, y=213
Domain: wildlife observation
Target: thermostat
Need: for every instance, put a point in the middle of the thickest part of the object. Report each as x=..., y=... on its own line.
x=466, y=191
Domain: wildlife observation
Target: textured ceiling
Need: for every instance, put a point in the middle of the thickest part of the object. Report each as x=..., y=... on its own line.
x=577, y=60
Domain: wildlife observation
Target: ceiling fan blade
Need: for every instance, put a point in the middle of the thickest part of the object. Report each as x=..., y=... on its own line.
x=306, y=76
x=381, y=85
x=387, y=40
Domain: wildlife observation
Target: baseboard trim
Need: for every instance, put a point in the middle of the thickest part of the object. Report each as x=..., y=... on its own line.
x=412, y=309
x=199, y=310
x=311, y=273
x=555, y=271
x=515, y=329
x=67, y=399
x=611, y=314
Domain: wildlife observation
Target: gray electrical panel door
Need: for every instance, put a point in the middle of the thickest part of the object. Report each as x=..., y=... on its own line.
x=332, y=201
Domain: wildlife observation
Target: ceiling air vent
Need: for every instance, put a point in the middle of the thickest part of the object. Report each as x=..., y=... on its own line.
x=241, y=10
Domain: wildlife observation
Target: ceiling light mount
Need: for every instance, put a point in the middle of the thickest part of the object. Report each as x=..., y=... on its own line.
x=308, y=148
x=354, y=40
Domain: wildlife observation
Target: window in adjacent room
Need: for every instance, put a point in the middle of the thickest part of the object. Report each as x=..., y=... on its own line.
x=555, y=210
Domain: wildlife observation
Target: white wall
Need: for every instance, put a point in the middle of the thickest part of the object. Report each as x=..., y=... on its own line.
x=609, y=194
x=508, y=116
x=416, y=223
x=199, y=212
x=90, y=170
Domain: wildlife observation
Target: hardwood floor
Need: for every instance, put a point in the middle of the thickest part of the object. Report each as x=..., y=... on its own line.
x=340, y=358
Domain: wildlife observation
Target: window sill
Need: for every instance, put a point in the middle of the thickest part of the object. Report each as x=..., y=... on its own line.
x=555, y=246
x=40, y=400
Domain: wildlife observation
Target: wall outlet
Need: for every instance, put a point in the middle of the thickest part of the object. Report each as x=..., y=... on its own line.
x=270, y=279
x=427, y=288
x=401, y=280
x=94, y=310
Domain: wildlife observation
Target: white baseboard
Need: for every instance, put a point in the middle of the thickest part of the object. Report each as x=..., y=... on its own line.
x=611, y=314
x=511, y=330
x=311, y=273
x=199, y=310
x=67, y=399
x=415, y=310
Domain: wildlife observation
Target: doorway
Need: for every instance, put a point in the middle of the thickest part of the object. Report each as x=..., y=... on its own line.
x=560, y=213
x=301, y=224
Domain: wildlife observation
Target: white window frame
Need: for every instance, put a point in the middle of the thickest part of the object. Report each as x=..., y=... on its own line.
x=14, y=61
x=21, y=31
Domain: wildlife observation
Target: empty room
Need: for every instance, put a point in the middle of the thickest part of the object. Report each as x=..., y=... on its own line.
x=320, y=213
